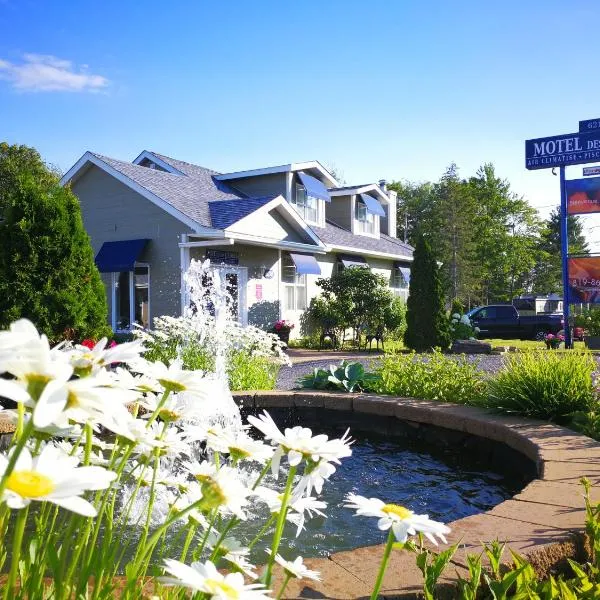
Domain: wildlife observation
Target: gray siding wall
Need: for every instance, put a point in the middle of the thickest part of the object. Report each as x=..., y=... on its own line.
x=339, y=210
x=111, y=211
x=263, y=185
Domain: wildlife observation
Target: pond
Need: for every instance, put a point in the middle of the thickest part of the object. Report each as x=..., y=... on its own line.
x=442, y=481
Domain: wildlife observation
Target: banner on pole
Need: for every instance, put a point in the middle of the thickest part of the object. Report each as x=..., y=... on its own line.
x=584, y=279
x=583, y=196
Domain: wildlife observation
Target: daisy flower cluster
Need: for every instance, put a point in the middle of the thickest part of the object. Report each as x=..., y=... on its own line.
x=111, y=452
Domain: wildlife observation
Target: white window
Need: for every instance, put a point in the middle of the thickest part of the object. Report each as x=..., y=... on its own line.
x=131, y=298
x=294, y=285
x=365, y=220
x=306, y=206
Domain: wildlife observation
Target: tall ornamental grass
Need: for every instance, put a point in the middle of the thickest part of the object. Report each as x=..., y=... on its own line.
x=544, y=385
x=431, y=377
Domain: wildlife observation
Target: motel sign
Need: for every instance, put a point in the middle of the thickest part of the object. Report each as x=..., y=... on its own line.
x=561, y=151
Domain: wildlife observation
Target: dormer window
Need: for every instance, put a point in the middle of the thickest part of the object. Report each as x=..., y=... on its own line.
x=365, y=220
x=306, y=206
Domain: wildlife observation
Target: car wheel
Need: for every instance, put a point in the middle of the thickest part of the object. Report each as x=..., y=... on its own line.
x=540, y=335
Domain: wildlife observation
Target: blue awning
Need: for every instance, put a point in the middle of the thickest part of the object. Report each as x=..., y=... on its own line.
x=372, y=205
x=119, y=256
x=349, y=260
x=405, y=273
x=314, y=187
x=306, y=264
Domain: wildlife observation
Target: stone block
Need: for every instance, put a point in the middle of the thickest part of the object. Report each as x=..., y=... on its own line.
x=470, y=347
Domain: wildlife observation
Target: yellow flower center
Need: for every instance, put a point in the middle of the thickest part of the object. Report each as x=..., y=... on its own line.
x=216, y=586
x=29, y=484
x=72, y=400
x=168, y=415
x=36, y=384
x=399, y=511
x=238, y=453
x=173, y=386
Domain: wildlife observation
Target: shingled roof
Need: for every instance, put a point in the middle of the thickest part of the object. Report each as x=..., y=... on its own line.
x=334, y=235
x=196, y=193
x=189, y=194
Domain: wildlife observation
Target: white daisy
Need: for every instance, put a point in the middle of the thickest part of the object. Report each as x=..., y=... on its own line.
x=239, y=445
x=299, y=443
x=404, y=522
x=85, y=360
x=81, y=400
x=205, y=578
x=54, y=477
x=177, y=379
x=221, y=488
x=297, y=507
x=296, y=569
x=176, y=407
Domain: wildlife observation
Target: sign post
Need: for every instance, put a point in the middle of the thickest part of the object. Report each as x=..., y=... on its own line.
x=564, y=253
x=560, y=151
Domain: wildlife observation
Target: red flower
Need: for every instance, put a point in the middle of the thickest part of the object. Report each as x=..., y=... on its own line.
x=88, y=343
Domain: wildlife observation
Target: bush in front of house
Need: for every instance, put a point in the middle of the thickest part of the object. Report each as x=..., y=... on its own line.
x=426, y=322
x=47, y=270
x=545, y=385
x=431, y=377
x=353, y=299
x=252, y=356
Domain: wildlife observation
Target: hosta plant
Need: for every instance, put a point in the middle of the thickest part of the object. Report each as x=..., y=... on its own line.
x=345, y=377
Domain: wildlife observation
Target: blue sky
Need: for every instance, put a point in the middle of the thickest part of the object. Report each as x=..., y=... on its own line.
x=392, y=89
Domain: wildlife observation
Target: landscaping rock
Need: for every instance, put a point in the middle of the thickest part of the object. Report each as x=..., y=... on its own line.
x=471, y=347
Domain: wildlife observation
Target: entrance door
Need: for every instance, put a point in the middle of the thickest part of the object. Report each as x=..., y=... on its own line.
x=236, y=281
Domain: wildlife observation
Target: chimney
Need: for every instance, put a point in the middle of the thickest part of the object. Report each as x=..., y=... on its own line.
x=383, y=185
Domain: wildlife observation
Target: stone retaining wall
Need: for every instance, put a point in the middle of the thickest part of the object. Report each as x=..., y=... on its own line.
x=544, y=522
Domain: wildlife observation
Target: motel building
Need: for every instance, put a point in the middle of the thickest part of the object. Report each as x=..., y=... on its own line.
x=269, y=232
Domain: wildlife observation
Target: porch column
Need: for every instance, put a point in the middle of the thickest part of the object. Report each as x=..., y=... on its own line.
x=184, y=259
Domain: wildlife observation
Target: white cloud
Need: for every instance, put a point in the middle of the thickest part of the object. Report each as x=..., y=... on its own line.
x=47, y=73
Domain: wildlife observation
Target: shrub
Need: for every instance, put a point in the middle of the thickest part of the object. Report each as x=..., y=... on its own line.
x=346, y=377
x=426, y=322
x=394, y=318
x=544, y=385
x=432, y=377
x=47, y=270
x=461, y=327
x=359, y=297
x=252, y=357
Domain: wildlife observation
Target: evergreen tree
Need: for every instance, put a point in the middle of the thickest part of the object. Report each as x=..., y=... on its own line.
x=426, y=322
x=548, y=270
x=47, y=270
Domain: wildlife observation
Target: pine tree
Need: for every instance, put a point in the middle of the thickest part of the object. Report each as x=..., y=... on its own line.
x=426, y=322
x=47, y=270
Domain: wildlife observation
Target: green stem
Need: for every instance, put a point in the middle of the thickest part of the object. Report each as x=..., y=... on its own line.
x=89, y=434
x=262, y=530
x=280, y=524
x=384, y=563
x=188, y=541
x=283, y=586
x=16, y=551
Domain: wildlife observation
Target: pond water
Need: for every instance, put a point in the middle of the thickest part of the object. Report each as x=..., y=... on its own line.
x=447, y=483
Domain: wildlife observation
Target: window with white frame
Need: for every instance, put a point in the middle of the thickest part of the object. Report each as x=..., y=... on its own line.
x=398, y=282
x=306, y=206
x=365, y=220
x=294, y=285
x=131, y=298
